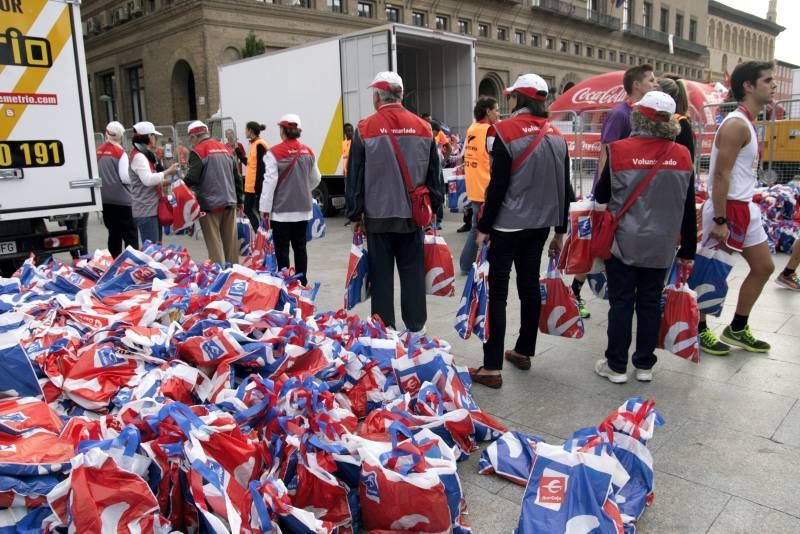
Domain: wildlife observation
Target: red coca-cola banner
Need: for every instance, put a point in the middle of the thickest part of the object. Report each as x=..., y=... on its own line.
x=605, y=91
x=586, y=146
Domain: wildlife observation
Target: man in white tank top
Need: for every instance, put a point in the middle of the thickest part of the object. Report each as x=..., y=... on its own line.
x=730, y=218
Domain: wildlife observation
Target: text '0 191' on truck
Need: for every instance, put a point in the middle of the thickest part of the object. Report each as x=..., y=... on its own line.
x=325, y=82
x=48, y=172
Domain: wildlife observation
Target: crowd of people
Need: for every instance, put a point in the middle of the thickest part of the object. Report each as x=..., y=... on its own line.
x=518, y=182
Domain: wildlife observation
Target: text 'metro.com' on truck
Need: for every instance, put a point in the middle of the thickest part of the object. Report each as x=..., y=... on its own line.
x=48, y=173
x=325, y=82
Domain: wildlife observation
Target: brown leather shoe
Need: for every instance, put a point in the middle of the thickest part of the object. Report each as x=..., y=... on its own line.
x=491, y=381
x=519, y=361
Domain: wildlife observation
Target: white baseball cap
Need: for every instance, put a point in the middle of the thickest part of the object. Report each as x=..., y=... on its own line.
x=656, y=106
x=196, y=127
x=115, y=129
x=290, y=120
x=388, y=81
x=145, y=128
x=530, y=85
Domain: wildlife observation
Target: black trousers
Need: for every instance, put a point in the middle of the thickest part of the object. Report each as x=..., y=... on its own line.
x=632, y=288
x=251, y=208
x=294, y=234
x=524, y=250
x=121, y=228
x=386, y=249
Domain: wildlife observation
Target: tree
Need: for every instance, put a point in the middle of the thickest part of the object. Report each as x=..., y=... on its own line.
x=253, y=46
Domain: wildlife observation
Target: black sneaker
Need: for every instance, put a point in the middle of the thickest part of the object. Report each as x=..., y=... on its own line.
x=711, y=345
x=464, y=228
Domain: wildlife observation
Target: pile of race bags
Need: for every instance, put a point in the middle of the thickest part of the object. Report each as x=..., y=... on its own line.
x=780, y=213
x=599, y=480
x=151, y=393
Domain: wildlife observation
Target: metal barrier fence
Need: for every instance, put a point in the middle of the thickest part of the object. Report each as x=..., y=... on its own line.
x=99, y=139
x=781, y=148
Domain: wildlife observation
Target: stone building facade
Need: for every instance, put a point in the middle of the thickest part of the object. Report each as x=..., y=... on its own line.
x=158, y=59
x=735, y=36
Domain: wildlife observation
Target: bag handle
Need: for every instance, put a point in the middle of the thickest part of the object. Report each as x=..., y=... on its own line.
x=401, y=160
x=644, y=183
x=531, y=147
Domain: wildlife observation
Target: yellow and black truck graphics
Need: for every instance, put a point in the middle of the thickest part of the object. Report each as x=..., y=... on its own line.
x=47, y=162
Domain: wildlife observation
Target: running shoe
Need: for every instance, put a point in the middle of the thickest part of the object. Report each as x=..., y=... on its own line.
x=744, y=339
x=711, y=345
x=789, y=282
x=583, y=310
x=602, y=369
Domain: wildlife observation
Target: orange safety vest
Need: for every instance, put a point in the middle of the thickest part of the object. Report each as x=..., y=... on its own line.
x=345, y=154
x=476, y=161
x=252, y=165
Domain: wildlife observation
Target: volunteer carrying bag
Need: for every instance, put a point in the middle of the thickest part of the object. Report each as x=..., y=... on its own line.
x=678, y=332
x=559, y=315
x=709, y=279
x=440, y=275
x=316, y=224
x=356, y=284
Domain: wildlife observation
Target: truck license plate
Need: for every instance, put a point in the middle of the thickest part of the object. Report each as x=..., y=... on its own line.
x=8, y=247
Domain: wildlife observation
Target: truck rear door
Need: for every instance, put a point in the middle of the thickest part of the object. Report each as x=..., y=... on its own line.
x=363, y=56
x=47, y=160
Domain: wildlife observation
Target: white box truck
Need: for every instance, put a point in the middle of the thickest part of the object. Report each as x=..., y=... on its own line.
x=325, y=82
x=48, y=173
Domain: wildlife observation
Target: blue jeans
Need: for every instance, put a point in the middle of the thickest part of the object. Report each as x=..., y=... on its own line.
x=470, y=251
x=149, y=229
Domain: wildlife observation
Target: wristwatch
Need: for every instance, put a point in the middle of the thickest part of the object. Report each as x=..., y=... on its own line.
x=720, y=220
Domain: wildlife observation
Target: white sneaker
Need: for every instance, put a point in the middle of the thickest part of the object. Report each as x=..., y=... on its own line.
x=644, y=375
x=602, y=369
x=418, y=333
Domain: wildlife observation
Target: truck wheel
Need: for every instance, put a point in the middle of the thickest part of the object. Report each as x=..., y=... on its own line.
x=323, y=198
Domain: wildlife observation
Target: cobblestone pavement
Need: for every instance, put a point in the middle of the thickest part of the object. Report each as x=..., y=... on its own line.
x=725, y=462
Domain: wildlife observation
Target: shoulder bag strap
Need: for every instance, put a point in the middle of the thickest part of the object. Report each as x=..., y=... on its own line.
x=286, y=171
x=644, y=183
x=401, y=161
x=531, y=147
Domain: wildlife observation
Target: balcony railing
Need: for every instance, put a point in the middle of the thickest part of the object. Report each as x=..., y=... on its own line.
x=688, y=46
x=655, y=36
x=577, y=13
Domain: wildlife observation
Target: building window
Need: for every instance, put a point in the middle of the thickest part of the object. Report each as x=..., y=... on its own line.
x=550, y=43
x=300, y=3
x=335, y=6
x=105, y=84
x=366, y=9
x=641, y=60
x=536, y=40
x=664, y=21
x=576, y=48
x=612, y=55
x=136, y=86
x=502, y=34
x=680, y=70
x=519, y=37
x=589, y=51
x=483, y=30
x=693, y=30
x=632, y=60
x=565, y=46
x=442, y=23
x=623, y=57
x=658, y=66
x=392, y=14
x=678, y=25
x=601, y=53
x=418, y=18
x=647, y=14
x=627, y=12
x=463, y=27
